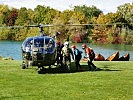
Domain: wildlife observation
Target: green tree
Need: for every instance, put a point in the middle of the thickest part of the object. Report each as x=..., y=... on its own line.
x=23, y=18
x=4, y=10
x=66, y=15
x=109, y=18
x=39, y=14
x=49, y=15
x=126, y=11
x=30, y=16
x=89, y=12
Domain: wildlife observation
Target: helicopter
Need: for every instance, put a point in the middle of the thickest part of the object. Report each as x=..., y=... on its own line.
x=39, y=50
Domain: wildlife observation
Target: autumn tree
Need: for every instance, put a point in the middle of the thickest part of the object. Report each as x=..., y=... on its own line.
x=106, y=27
x=11, y=17
x=4, y=10
x=103, y=28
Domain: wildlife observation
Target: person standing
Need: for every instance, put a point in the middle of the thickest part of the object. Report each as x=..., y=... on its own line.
x=67, y=53
x=90, y=55
x=78, y=56
x=59, y=57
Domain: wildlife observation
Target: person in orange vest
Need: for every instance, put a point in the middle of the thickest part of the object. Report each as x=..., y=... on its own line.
x=90, y=55
x=77, y=56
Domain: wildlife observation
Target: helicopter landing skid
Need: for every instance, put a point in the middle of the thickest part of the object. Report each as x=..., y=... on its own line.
x=41, y=70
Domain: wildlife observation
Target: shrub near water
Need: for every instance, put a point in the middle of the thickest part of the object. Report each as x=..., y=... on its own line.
x=6, y=58
x=112, y=80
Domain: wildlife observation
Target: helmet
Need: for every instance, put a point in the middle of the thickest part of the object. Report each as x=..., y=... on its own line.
x=73, y=46
x=84, y=46
x=58, y=43
x=66, y=44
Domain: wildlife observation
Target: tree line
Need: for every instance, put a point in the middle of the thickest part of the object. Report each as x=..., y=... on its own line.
x=102, y=28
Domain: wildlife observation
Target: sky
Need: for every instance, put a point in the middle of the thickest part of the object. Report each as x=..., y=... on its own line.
x=106, y=6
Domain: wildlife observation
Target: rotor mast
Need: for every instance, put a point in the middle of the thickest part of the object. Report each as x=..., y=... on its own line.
x=41, y=30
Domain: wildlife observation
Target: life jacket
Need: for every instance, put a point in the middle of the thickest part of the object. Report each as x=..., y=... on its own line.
x=90, y=52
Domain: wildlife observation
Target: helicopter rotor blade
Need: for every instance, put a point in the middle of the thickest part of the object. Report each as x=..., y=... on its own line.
x=52, y=25
x=87, y=24
x=11, y=27
x=48, y=25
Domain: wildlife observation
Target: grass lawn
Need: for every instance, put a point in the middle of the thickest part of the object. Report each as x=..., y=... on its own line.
x=112, y=81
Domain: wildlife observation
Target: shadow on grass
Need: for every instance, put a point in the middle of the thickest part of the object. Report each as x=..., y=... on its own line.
x=73, y=69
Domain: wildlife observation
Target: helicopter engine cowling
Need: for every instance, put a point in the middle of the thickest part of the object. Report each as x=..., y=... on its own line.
x=40, y=51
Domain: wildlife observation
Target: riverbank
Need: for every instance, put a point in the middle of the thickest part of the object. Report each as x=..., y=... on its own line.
x=6, y=58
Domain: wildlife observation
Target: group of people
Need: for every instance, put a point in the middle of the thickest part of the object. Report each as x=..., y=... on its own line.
x=64, y=53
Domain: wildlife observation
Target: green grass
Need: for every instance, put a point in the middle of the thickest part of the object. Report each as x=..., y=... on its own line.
x=112, y=81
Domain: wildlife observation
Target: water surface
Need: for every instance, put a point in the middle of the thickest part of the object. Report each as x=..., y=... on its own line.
x=13, y=49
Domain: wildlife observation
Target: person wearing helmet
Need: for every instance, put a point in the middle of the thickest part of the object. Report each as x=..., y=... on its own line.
x=90, y=55
x=67, y=53
x=66, y=44
x=77, y=55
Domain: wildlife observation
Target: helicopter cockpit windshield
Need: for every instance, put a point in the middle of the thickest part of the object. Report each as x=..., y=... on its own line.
x=42, y=45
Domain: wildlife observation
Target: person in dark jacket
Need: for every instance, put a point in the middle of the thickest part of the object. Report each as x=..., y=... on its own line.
x=59, y=55
x=78, y=56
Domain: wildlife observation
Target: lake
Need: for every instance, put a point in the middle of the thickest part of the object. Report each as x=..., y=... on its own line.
x=13, y=49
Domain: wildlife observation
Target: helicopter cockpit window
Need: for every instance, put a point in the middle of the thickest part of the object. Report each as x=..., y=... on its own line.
x=49, y=45
x=39, y=44
x=26, y=44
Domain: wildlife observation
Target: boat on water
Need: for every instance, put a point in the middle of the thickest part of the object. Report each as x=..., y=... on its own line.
x=126, y=57
x=99, y=57
x=113, y=57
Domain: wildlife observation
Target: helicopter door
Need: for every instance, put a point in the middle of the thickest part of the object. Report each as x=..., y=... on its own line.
x=34, y=48
x=48, y=45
